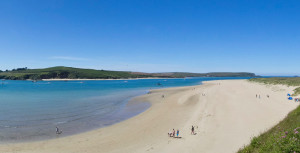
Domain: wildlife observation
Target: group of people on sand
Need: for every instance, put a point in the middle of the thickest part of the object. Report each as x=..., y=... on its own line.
x=172, y=134
x=258, y=95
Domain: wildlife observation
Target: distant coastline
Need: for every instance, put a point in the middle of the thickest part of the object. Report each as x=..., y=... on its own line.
x=100, y=79
x=70, y=73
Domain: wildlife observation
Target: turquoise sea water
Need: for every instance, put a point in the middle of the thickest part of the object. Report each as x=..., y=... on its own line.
x=31, y=110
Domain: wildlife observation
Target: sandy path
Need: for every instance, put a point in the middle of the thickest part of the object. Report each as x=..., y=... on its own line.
x=225, y=119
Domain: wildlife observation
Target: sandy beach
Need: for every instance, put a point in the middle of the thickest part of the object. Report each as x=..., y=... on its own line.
x=225, y=113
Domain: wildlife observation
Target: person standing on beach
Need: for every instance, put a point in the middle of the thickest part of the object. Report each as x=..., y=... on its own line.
x=192, y=132
x=170, y=134
x=256, y=95
x=177, y=133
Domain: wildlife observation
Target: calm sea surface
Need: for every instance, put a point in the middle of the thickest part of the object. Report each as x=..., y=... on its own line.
x=30, y=111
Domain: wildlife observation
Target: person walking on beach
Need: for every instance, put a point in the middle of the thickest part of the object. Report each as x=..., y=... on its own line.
x=256, y=95
x=58, y=131
x=177, y=133
x=173, y=133
x=192, y=132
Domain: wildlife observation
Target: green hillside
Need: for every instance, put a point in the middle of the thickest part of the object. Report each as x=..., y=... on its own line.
x=61, y=72
x=65, y=73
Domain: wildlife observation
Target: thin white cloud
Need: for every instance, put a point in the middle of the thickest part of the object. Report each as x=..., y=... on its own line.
x=68, y=58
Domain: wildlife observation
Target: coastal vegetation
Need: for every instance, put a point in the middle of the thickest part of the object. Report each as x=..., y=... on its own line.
x=62, y=72
x=65, y=73
x=285, y=136
x=289, y=81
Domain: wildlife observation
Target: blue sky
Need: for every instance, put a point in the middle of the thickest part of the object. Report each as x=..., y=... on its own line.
x=152, y=35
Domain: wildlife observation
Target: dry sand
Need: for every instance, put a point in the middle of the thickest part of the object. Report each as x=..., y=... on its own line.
x=225, y=120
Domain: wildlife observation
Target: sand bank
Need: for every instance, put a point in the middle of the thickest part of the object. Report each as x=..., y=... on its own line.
x=225, y=119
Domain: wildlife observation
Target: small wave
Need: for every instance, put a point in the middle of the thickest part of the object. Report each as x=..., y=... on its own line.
x=62, y=122
x=9, y=126
x=5, y=126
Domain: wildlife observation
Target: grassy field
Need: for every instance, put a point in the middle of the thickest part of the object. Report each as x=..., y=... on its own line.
x=285, y=136
x=77, y=73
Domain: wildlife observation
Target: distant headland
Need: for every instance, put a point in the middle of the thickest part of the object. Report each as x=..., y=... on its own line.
x=61, y=72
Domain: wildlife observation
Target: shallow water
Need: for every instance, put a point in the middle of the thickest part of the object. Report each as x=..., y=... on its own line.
x=31, y=110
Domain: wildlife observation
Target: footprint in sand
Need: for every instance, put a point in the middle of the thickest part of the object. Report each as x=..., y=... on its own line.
x=150, y=149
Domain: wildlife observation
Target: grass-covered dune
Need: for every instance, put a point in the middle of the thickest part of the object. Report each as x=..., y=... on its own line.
x=289, y=81
x=285, y=136
x=61, y=72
